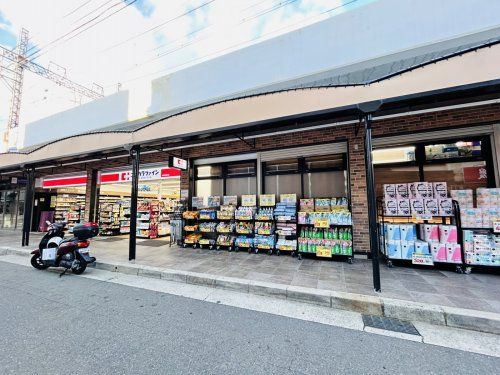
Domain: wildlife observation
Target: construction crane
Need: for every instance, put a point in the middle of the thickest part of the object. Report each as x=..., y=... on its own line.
x=12, y=66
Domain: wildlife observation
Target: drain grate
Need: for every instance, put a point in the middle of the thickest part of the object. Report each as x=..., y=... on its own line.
x=390, y=324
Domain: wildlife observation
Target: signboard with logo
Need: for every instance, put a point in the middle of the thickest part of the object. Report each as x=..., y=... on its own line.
x=50, y=183
x=422, y=259
x=177, y=163
x=148, y=174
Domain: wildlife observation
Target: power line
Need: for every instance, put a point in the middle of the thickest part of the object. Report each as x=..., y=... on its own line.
x=79, y=27
x=93, y=11
x=77, y=8
x=161, y=24
x=240, y=43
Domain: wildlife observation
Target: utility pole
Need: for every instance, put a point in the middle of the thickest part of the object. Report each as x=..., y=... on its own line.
x=12, y=67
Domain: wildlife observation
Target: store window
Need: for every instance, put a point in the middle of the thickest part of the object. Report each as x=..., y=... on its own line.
x=310, y=177
x=394, y=155
x=461, y=163
x=10, y=209
x=233, y=178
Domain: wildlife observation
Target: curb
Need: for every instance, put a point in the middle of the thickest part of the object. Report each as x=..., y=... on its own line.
x=455, y=317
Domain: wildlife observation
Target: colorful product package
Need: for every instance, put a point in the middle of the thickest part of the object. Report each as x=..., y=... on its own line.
x=453, y=253
x=402, y=191
x=389, y=191
x=407, y=249
x=393, y=232
x=448, y=233
x=431, y=207
x=391, y=207
x=422, y=247
x=393, y=249
x=438, y=251
x=404, y=207
x=445, y=207
x=423, y=190
x=429, y=232
x=417, y=206
x=440, y=190
x=408, y=232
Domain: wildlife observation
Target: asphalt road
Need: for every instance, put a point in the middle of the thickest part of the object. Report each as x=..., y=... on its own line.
x=52, y=325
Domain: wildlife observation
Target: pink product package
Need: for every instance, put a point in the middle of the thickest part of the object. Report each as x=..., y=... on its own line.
x=453, y=253
x=438, y=251
x=402, y=191
x=429, y=232
x=389, y=191
x=431, y=207
x=417, y=206
x=448, y=233
x=440, y=190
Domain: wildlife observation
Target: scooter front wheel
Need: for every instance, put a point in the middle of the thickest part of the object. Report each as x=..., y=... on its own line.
x=36, y=262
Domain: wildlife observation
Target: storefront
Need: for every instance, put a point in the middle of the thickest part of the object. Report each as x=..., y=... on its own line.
x=159, y=192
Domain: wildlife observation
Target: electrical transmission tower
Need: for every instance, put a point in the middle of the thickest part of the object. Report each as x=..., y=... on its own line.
x=12, y=66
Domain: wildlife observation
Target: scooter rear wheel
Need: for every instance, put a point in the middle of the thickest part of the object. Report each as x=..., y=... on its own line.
x=36, y=262
x=81, y=268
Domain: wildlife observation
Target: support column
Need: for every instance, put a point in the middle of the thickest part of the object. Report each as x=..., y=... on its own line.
x=28, y=206
x=92, y=196
x=372, y=202
x=135, y=154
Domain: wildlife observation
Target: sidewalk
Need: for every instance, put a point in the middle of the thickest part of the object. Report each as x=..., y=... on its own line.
x=315, y=281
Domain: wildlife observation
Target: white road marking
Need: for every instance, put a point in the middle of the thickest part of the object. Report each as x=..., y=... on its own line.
x=470, y=341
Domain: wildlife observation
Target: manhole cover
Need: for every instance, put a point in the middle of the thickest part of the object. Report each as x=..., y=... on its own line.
x=390, y=324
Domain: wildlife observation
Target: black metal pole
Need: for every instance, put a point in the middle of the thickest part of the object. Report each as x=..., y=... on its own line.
x=94, y=195
x=28, y=206
x=372, y=202
x=135, y=154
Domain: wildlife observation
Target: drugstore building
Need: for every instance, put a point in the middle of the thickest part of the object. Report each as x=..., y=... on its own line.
x=432, y=122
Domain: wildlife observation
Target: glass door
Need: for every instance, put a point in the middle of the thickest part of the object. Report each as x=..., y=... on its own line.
x=10, y=209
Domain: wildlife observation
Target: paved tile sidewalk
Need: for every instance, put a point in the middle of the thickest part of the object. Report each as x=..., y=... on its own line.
x=475, y=291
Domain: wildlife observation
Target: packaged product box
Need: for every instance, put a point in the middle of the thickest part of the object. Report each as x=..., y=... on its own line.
x=440, y=190
x=431, y=206
x=448, y=233
x=459, y=194
x=445, y=207
x=393, y=249
x=322, y=205
x=468, y=236
x=438, y=251
x=404, y=207
x=307, y=205
x=402, y=191
x=389, y=191
x=408, y=232
x=391, y=207
x=484, y=201
x=423, y=190
x=453, y=253
x=487, y=221
x=417, y=206
x=429, y=232
x=393, y=232
x=407, y=249
x=412, y=190
x=422, y=247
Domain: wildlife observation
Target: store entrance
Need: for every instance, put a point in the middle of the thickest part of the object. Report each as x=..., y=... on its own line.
x=159, y=192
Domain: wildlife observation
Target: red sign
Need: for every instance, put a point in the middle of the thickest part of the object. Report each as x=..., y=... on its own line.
x=113, y=177
x=64, y=182
x=475, y=174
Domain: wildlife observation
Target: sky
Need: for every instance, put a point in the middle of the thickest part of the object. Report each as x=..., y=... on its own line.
x=128, y=43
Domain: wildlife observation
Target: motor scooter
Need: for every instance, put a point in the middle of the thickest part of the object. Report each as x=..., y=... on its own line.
x=71, y=253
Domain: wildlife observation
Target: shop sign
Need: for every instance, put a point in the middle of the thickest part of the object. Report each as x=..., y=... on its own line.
x=177, y=163
x=475, y=174
x=60, y=182
x=288, y=198
x=144, y=175
x=422, y=259
x=322, y=223
x=197, y=202
x=230, y=200
x=267, y=200
x=13, y=180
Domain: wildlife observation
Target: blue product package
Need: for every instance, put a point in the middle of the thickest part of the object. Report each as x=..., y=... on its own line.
x=393, y=249
x=407, y=249
x=393, y=232
x=408, y=232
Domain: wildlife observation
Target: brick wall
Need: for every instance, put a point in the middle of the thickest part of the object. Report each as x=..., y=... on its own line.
x=394, y=126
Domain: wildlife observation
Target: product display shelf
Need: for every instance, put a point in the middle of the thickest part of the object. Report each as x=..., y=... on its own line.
x=264, y=230
x=408, y=219
x=109, y=223
x=125, y=217
x=285, y=215
x=70, y=208
x=469, y=262
x=244, y=218
x=326, y=234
